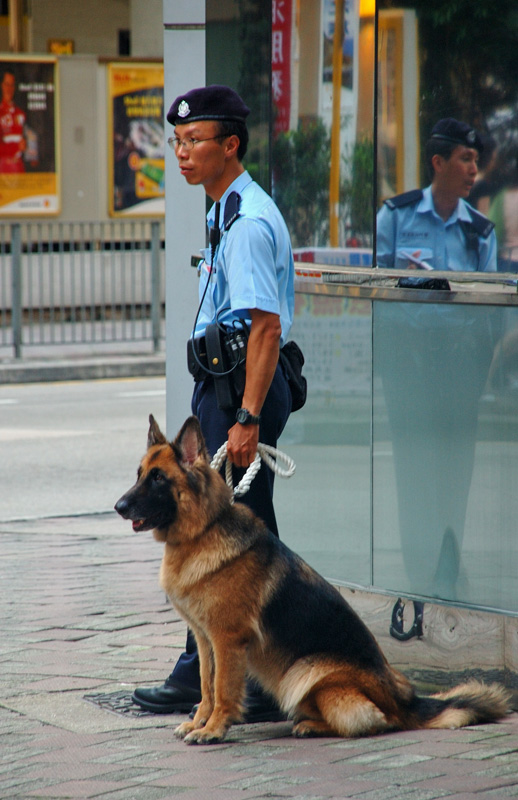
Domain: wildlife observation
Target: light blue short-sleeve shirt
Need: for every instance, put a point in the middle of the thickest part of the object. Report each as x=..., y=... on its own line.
x=417, y=231
x=253, y=263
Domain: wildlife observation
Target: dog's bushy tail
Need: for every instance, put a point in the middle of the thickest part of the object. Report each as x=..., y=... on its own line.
x=470, y=703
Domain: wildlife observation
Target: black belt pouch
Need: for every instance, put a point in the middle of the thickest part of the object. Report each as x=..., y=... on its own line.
x=217, y=363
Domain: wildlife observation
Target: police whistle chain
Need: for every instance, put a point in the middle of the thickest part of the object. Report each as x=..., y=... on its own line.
x=265, y=452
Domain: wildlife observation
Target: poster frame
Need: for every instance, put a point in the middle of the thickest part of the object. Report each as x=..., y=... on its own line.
x=150, y=207
x=15, y=199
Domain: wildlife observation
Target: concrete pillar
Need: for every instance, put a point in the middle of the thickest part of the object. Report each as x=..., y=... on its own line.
x=184, y=69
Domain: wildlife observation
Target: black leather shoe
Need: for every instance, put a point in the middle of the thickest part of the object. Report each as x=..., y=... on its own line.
x=167, y=699
x=259, y=708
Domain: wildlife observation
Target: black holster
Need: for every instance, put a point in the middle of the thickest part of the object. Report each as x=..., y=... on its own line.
x=220, y=355
x=218, y=364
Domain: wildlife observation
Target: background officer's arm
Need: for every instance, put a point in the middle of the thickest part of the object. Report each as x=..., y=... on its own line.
x=487, y=253
x=385, y=244
x=261, y=362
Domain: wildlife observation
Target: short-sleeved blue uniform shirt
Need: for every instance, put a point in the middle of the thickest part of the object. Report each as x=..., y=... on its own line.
x=253, y=263
x=416, y=231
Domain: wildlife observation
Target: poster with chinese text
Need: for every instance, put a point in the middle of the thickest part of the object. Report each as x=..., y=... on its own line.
x=29, y=163
x=136, y=126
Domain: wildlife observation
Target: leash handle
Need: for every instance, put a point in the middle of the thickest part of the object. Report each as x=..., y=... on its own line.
x=265, y=452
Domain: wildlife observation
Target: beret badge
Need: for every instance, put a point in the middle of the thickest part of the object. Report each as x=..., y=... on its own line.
x=183, y=109
x=471, y=137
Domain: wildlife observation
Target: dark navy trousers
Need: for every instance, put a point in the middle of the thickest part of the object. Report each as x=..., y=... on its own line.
x=215, y=424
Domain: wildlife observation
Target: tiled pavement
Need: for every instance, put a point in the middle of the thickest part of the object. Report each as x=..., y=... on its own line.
x=81, y=612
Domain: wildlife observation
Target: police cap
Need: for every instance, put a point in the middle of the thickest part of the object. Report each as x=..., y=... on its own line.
x=451, y=130
x=208, y=102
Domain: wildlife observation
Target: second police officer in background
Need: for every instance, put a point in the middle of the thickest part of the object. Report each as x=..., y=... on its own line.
x=434, y=361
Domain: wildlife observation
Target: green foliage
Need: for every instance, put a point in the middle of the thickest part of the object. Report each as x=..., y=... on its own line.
x=301, y=160
x=301, y=185
x=358, y=187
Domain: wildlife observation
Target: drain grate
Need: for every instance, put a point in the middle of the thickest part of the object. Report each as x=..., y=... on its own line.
x=118, y=703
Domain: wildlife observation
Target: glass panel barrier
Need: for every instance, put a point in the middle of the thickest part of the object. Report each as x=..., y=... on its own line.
x=324, y=510
x=238, y=54
x=445, y=452
x=406, y=450
x=322, y=153
x=474, y=81
x=439, y=463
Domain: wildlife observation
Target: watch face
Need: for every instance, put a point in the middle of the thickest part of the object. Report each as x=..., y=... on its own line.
x=242, y=415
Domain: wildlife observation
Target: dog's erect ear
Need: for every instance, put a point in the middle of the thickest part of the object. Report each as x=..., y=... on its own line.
x=155, y=435
x=190, y=442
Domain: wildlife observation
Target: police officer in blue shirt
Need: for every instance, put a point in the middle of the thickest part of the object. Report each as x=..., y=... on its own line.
x=246, y=293
x=436, y=228
x=433, y=360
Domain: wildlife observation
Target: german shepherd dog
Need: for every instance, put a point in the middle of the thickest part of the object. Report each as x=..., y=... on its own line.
x=258, y=609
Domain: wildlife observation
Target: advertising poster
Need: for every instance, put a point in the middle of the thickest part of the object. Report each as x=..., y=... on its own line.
x=29, y=174
x=136, y=124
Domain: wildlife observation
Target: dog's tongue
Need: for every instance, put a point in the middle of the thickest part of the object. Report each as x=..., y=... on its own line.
x=137, y=524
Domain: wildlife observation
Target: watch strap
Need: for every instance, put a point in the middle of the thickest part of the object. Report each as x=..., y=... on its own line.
x=244, y=417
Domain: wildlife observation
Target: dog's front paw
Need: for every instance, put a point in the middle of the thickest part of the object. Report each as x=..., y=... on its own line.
x=305, y=728
x=204, y=736
x=184, y=729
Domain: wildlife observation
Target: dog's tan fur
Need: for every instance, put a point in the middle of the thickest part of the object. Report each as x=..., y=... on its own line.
x=256, y=608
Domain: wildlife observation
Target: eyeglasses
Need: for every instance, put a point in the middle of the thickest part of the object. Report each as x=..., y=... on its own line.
x=175, y=143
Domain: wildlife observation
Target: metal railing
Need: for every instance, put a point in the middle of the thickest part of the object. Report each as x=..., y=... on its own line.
x=87, y=282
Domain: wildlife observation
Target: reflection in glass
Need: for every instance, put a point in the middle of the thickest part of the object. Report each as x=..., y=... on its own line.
x=475, y=80
x=238, y=54
x=442, y=465
x=445, y=450
x=324, y=510
x=323, y=102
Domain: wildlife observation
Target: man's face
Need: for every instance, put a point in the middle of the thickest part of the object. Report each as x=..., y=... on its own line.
x=8, y=87
x=457, y=174
x=205, y=162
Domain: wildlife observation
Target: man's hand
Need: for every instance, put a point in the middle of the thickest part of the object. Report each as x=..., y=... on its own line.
x=242, y=444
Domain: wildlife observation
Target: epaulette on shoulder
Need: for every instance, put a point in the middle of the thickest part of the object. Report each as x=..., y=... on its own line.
x=231, y=212
x=480, y=224
x=405, y=199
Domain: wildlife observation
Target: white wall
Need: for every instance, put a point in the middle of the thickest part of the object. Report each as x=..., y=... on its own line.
x=147, y=38
x=83, y=138
x=93, y=25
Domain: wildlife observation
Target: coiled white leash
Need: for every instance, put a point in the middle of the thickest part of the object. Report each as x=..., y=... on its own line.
x=268, y=454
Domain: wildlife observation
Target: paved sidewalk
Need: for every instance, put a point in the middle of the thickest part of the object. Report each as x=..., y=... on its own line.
x=82, y=613
x=73, y=362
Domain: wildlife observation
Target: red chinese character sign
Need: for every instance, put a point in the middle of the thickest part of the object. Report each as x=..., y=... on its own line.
x=281, y=63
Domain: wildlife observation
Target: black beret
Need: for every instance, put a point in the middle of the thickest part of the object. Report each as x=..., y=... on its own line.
x=208, y=102
x=451, y=130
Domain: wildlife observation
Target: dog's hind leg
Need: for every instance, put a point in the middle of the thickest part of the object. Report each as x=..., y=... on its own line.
x=341, y=712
